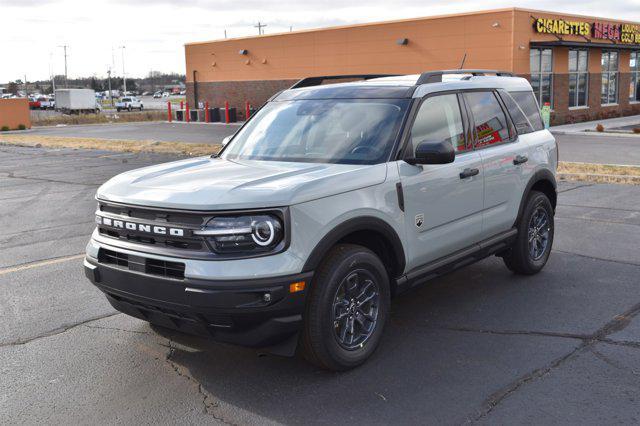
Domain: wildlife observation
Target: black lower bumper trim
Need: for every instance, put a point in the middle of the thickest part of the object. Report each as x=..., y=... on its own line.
x=256, y=313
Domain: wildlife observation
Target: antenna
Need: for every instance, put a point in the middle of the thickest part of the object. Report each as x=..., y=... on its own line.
x=464, y=58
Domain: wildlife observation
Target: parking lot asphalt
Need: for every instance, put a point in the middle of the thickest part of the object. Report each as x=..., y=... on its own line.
x=593, y=148
x=212, y=133
x=477, y=346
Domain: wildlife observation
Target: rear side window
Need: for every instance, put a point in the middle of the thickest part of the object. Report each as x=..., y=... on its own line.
x=518, y=117
x=527, y=102
x=439, y=119
x=490, y=120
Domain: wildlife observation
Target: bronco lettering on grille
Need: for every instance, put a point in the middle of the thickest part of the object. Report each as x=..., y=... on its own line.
x=139, y=227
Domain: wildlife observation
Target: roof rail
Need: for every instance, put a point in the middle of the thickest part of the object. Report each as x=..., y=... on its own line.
x=316, y=81
x=436, y=76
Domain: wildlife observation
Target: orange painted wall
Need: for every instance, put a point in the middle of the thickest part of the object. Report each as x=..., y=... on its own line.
x=14, y=112
x=434, y=43
x=496, y=39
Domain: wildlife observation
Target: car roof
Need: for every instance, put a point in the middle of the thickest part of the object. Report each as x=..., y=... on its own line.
x=403, y=86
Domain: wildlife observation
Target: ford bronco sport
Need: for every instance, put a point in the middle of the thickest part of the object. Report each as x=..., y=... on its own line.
x=329, y=201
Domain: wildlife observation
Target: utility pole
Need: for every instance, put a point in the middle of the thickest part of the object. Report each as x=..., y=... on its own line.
x=52, y=75
x=26, y=94
x=124, y=76
x=260, y=27
x=110, y=93
x=64, y=46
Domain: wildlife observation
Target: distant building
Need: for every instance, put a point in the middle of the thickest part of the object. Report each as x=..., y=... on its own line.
x=584, y=67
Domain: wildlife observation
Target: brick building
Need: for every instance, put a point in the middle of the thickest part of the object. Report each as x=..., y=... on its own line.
x=585, y=67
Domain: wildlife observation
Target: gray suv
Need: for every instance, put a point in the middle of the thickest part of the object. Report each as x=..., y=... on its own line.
x=332, y=199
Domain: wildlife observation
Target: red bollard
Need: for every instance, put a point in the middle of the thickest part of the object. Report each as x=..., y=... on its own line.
x=169, y=111
x=186, y=111
x=207, y=118
x=226, y=112
x=247, y=110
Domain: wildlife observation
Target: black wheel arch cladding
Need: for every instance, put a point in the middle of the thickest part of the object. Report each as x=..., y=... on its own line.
x=368, y=231
x=543, y=181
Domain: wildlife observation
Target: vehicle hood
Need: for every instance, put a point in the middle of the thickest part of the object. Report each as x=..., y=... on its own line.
x=218, y=184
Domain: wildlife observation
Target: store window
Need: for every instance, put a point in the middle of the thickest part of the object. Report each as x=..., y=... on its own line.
x=541, y=66
x=609, y=94
x=578, y=78
x=634, y=88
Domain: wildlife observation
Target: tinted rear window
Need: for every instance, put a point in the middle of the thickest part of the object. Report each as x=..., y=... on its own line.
x=517, y=115
x=529, y=106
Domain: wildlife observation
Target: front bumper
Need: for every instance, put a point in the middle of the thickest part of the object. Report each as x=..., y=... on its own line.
x=235, y=311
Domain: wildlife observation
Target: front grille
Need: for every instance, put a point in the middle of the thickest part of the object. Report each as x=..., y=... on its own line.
x=183, y=220
x=142, y=264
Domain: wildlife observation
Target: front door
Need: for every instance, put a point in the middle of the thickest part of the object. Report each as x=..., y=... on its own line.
x=443, y=203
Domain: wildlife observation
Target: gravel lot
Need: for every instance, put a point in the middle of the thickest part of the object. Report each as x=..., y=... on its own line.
x=480, y=345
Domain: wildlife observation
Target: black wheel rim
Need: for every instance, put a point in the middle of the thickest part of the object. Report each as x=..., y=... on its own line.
x=355, y=309
x=538, y=233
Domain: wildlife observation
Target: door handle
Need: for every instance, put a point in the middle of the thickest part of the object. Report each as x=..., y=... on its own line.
x=468, y=173
x=520, y=159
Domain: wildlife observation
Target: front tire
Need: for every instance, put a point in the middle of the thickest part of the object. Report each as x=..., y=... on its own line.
x=532, y=248
x=347, y=308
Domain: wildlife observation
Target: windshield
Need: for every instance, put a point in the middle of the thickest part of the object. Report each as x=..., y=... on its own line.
x=349, y=131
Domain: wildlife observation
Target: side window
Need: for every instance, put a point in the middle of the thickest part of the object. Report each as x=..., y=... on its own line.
x=439, y=119
x=529, y=106
x=518, y=117
x=490, y=120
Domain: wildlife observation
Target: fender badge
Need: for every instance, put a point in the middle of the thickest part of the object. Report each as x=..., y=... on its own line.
x=419, y=220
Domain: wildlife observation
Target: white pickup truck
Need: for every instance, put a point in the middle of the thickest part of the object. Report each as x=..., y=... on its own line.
x=129, y=103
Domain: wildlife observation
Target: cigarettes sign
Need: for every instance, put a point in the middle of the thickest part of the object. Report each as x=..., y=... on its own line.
x=623, y=33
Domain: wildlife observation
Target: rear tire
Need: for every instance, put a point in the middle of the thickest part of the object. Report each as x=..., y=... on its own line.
x=347, y=308
x=532, y=248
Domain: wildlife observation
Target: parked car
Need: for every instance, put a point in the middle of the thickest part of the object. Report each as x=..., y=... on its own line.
x=157, y=95
x=34, y=103
x=129, y=103
x=46, y=103
x=328, y=202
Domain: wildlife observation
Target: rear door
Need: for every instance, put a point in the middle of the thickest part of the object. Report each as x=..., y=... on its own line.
x=443, y=202
x=504, y=160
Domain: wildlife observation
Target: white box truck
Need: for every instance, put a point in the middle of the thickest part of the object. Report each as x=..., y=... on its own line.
x=76, y=101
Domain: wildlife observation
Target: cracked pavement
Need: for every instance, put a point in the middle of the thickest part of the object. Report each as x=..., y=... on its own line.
x=477, y=346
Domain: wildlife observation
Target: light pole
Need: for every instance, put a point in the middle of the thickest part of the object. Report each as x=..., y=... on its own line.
x=110, y=93
x=124, y=76
x=64, y=46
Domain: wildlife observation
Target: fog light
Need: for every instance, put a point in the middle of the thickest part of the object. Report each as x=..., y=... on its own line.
x=296, y=287
x=267, y=297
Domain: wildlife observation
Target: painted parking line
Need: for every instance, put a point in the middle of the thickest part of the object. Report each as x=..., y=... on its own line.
x=38, y=264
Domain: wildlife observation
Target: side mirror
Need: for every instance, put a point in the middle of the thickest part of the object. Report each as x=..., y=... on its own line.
x=226, y=140
x=433, y=152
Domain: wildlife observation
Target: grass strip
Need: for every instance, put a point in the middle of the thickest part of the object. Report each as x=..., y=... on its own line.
x=182, y=148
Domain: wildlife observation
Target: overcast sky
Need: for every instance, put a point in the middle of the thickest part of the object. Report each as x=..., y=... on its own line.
x=154, y=31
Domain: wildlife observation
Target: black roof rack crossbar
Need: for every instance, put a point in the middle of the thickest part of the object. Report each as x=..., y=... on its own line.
x=436, y=76
x=316, y=81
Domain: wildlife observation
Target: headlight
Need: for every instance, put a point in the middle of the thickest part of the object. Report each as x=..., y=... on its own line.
x=243, y=234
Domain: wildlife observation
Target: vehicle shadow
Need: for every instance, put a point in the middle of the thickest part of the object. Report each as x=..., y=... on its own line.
x=436, y=363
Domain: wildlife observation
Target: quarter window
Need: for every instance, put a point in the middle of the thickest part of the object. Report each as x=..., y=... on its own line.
x=578, y=78
x=518, y=116
x=529, y=106
x=609, y=93
x=634, y=88
x=489, y=118
x=541, y=66
x=439, y=119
